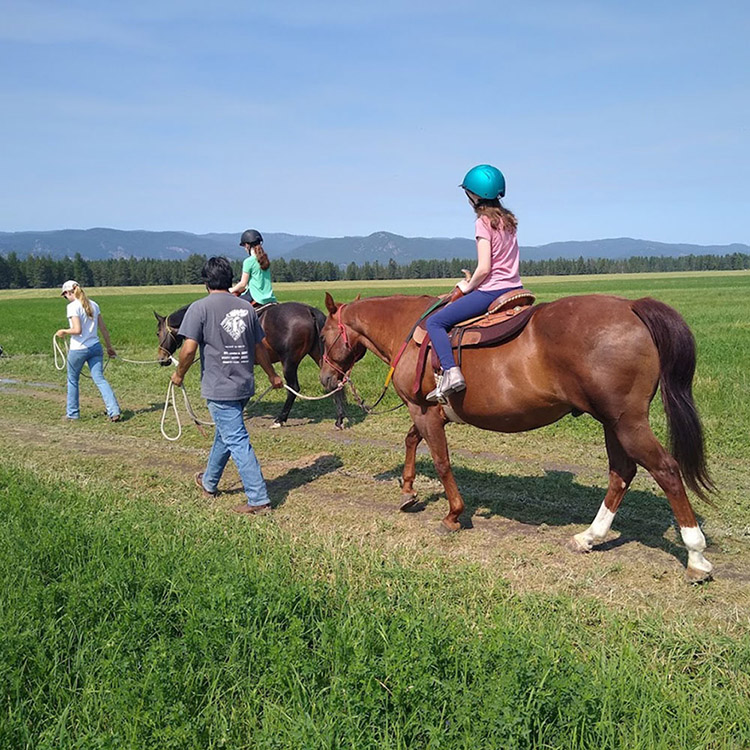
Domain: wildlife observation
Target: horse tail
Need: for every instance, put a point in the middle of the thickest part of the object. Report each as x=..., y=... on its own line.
x=676, y=347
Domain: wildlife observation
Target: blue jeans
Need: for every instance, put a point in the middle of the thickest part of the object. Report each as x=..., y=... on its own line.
x=77, y=358
x=231, y=439
x=440, y=322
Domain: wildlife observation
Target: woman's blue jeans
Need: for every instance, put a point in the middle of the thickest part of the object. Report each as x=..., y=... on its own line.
x=77, y=358
x=231, y=439
x=440, y=322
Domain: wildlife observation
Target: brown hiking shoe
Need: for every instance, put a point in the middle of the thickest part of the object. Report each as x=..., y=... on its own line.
x=252, y=510
x=199, y=483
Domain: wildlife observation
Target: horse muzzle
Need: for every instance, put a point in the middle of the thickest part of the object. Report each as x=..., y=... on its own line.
x=329, y=380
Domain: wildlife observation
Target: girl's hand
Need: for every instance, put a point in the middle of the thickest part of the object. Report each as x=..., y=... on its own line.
x=111, y=352
x=61, y=333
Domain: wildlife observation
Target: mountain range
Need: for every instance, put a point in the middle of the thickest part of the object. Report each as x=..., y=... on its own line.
x=101, y=244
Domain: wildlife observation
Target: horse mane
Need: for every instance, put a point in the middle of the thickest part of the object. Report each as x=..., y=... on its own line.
x=175, y=319
x=392, y=304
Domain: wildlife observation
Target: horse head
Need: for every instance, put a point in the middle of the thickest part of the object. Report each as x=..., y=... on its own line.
x=342, y=346
x=169, y=341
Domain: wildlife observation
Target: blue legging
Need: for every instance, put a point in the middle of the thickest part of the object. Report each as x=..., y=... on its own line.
x=469, y=306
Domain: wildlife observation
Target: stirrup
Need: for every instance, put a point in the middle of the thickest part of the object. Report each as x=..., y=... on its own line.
x=439, y=394
x=436, y=395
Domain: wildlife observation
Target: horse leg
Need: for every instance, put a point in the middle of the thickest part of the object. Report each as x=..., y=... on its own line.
x=339, y=399
x=622, y=469
x=290, y=376
x=640, y=443
x=408, y=495
x=431, y=426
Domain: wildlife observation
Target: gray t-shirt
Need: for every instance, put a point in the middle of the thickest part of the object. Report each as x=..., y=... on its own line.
x=227, y=330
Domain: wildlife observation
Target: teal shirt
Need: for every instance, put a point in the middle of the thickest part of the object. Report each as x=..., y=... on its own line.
x=259, y=285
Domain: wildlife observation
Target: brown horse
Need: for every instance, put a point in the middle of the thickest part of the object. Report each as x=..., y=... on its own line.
x=597, y=354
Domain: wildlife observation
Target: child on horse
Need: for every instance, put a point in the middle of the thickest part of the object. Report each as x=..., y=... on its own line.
x=255, y=283
x=495, y=274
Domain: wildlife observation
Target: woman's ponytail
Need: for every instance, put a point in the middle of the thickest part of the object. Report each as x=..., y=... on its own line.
x=80, y=295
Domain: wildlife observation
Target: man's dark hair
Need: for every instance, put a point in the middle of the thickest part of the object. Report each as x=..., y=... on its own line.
x=217, y=273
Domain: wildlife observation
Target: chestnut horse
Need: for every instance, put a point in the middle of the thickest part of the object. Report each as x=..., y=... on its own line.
x=598, y=354
x=292, y=332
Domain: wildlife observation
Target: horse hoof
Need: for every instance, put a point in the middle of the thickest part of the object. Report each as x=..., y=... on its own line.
x=574, y=545
x=408, y=501
x=277, y=425
x=338, y=427
x=448, y=527
x=696, y=576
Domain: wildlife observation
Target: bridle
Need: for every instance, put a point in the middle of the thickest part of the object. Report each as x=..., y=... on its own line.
x=342, y=334
x=173, y=334
x=346, y=375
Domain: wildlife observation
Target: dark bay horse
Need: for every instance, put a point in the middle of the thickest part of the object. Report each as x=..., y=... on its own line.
x=598, y=354
x=292, y=332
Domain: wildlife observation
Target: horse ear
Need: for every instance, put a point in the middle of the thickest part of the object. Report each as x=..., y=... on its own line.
x=159, y=317
x=330, y=304
x=357, y=298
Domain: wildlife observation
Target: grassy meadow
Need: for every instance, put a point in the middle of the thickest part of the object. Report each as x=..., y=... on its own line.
x=136, y=614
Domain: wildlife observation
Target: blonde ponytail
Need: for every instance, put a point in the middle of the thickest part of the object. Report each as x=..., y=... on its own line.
x=80, y=295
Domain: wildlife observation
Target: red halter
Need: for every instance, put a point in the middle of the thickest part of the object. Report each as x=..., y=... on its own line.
x=342, y=334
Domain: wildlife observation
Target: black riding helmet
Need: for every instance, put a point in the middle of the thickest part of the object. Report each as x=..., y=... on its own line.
x=251, y=237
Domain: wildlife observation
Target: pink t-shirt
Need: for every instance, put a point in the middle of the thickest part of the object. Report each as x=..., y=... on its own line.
x=504, y=256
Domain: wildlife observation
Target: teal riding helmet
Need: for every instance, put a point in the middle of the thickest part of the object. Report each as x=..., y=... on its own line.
x=485, y=181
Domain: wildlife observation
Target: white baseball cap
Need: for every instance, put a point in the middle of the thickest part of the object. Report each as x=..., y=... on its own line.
x=68, y=286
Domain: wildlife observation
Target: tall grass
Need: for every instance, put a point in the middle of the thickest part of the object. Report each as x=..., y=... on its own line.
x=129, y=625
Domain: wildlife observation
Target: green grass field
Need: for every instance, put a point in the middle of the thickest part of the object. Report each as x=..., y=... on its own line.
x=135, y=614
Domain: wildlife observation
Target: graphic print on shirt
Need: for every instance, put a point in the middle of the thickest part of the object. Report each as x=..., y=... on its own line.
x=234, y=323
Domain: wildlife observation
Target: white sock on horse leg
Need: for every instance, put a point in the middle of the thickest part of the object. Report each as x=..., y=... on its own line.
x=695, y=543
x=598, y=529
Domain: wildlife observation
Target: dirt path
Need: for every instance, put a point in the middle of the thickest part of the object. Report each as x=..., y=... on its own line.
x=342, y=488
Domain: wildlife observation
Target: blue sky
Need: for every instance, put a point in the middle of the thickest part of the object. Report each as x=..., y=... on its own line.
x=609, y=119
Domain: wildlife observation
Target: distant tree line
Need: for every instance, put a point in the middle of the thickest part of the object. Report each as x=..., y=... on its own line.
x=44, y=272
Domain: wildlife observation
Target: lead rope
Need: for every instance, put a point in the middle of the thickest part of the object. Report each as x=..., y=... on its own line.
x=60, y=363
x=371, y=409
x=61, y=356
x=58, y=353
x=315, y=398
x=142, y=361
x=171, y=400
